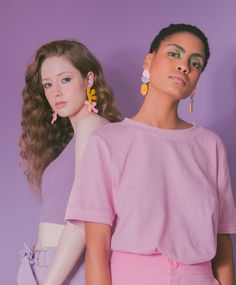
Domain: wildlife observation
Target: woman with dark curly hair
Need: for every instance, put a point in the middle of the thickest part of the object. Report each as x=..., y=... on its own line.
x=65, y=98
x=169, y=193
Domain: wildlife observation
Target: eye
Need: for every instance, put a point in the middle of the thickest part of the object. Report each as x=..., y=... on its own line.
x=196, y=64
x=47, y=85
x=175, y=54
x=66, y=79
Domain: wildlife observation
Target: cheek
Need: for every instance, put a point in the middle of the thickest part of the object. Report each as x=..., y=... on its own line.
x=159, y=74
x=195, y=78
x=48, y=98
x=161, y=67
x=77, y=94
x=77, y=88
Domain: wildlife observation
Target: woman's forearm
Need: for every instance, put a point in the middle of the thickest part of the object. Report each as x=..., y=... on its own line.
x=97, y=260
x=222, y=264
x=97, y=268
x=70, y=248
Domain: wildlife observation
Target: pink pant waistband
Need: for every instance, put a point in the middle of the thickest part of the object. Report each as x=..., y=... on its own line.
x=159, y=263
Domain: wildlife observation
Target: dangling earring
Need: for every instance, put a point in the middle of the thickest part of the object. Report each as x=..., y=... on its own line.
x=54, y=117
x=91, y=102
x=145, y=80
x=191, y=101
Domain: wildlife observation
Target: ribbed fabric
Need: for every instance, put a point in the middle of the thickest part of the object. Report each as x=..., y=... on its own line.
x=57, y=182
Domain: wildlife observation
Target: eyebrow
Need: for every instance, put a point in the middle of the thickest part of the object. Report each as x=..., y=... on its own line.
x=183, y=50
x=59, y=74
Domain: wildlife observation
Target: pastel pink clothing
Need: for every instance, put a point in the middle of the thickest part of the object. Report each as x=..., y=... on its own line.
x=168, y=189
x=138, y=269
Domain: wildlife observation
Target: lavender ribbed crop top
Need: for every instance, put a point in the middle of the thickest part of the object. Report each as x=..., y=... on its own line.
x=57, y=182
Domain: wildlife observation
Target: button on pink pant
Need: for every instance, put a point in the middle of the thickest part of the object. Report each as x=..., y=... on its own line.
x=136, y=269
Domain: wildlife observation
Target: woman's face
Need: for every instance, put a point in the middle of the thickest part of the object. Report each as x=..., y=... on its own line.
x=64, y=87
x=176, y=67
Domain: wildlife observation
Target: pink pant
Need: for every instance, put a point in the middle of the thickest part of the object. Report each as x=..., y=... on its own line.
x=137, y=269
x=35, y=263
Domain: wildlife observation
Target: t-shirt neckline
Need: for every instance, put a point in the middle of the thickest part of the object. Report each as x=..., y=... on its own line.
x=182, y=133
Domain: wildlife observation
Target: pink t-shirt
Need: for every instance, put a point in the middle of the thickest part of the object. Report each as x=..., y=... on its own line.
x=169, y=189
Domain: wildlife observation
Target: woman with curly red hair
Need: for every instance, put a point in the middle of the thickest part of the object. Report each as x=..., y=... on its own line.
x=65, y=98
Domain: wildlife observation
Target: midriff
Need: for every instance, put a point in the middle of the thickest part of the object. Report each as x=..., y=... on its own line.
x=49, y=235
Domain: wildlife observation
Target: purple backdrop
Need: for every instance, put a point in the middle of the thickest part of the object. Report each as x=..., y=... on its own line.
x=119, y=33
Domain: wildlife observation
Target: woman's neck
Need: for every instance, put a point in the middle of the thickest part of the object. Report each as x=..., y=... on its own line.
x=77, y=117
x=161, y=113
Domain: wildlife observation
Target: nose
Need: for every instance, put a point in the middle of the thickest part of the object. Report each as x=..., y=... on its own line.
x=183, y=69
x=56, y=90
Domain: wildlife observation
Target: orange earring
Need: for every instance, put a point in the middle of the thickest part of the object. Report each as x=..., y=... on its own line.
x=191, y=102
x=91, y=100
x=145, y=80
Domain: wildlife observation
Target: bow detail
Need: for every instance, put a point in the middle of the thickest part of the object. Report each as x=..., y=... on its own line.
x=91, y=106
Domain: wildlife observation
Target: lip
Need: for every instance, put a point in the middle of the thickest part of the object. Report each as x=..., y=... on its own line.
x=60, y=104
x=179, y=79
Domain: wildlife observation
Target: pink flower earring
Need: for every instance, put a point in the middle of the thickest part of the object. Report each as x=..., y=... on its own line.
x=54, y=118
x=191, y=101
x=145, y=80
x=91, y=100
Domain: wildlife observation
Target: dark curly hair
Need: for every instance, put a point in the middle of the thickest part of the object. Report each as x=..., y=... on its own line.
x=176, y=28
x=40, y=141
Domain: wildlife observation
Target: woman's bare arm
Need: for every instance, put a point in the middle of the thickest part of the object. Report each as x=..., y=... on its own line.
x=71, y=246
x=72, y=242
x=98, y=238
x=222, y=264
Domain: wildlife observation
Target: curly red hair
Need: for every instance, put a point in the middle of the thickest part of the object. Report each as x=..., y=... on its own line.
x=40, y=141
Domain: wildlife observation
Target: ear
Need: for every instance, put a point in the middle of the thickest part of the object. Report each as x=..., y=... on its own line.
x=90, y=79
x=148, y=61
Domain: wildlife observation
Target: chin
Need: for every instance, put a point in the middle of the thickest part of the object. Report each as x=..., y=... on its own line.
x=63, y=114
x=178, y=94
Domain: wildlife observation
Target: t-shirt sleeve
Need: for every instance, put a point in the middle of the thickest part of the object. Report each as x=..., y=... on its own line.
x=91, y=197
x=227, y=211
